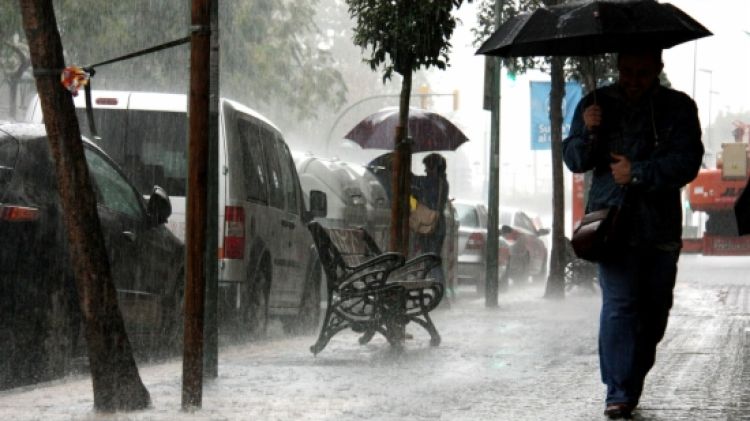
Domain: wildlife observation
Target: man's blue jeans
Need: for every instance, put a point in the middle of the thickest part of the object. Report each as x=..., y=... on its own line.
x=637, y=287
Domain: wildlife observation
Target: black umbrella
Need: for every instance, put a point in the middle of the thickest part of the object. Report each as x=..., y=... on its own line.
x=593, y=27
x=429, y=131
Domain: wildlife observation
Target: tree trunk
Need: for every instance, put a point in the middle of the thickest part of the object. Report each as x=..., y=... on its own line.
x=116, y=382
x=401, y=177
x=556, y=281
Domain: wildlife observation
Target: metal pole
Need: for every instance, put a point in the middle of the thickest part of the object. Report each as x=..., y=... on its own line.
x=695, y=65
x=211, y=348
x=491, y=250
x=195, y=244
x=710, y=94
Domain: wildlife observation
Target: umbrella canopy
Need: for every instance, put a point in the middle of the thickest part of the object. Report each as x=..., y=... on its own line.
x=593, y=27
x=429, y=131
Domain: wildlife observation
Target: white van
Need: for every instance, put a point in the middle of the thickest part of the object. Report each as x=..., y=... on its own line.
x=267, y=262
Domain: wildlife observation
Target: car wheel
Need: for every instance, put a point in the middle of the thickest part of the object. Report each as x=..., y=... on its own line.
x=542, y=275
x=308, y=318
x=255, y=303
x=519, y=270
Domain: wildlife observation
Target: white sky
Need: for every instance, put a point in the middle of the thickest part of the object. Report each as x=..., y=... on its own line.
x=726, y=55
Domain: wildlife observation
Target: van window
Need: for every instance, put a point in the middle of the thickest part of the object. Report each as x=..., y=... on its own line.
x=288, y=182
x=150, y=146
x=275, y=179
x=252, y=159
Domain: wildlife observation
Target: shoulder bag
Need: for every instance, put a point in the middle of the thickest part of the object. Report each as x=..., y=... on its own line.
x=593, y=237
x=424, y=220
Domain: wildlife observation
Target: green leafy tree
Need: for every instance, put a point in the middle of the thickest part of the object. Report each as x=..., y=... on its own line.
x=270, y=55
x=273, y=55
x=402, y=37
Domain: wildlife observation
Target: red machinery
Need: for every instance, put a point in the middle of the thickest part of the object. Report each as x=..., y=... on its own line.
x=714, y=192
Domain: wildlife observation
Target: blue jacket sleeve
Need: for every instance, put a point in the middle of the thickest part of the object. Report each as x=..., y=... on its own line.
x=678, y=152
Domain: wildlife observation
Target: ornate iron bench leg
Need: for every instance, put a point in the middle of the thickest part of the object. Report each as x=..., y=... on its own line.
x=429, y=327
x=394, y=309
x=332, y=325
x=367, y=337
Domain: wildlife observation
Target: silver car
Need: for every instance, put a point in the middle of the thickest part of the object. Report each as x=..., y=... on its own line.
x=521, y=252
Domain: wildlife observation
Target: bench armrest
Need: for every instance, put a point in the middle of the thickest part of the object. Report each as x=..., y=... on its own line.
x=415, y=269
x=371, y=274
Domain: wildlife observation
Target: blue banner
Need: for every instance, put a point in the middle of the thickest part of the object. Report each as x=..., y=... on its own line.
x=541, y=134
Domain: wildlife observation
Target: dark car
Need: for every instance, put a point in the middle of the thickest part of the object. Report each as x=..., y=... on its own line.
x=40, y=321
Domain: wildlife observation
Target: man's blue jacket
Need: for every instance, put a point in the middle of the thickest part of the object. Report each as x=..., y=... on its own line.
x=661, y=136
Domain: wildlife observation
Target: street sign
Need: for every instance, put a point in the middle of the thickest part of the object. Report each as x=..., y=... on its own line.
x=541, y=134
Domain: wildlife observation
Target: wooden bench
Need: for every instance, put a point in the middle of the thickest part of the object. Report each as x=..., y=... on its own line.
x=373, y=292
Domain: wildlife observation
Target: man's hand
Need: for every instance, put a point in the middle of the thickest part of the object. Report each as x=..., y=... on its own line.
x=592, y=116
x=620, y=167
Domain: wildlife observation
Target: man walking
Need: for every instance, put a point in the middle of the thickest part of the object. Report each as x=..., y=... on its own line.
x=643, y=143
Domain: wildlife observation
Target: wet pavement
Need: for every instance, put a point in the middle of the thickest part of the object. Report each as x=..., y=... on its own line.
x=528, y=359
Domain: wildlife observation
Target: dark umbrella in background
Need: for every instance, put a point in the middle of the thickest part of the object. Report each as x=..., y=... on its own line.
x=429, y=131
x=593, y=27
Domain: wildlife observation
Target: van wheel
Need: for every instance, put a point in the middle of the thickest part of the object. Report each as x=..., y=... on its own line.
x=308, y=318
x=255, y=303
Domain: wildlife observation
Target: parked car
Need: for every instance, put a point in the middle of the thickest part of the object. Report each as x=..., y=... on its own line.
x=267, y=263
x=520, y=250
x=40, y=319
x=472, y=239
x=527, y=252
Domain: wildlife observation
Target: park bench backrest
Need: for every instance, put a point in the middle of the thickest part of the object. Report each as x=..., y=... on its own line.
x=342, y=249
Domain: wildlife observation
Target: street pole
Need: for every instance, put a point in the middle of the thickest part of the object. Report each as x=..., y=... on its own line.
x=211, y=358
x=493, y=200
x=195, y=244
x=710, y=94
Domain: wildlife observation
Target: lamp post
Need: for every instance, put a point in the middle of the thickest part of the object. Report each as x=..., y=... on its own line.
x=710, y=94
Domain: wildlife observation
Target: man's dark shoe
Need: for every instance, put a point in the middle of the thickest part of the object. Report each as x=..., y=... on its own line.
x=616, y=411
